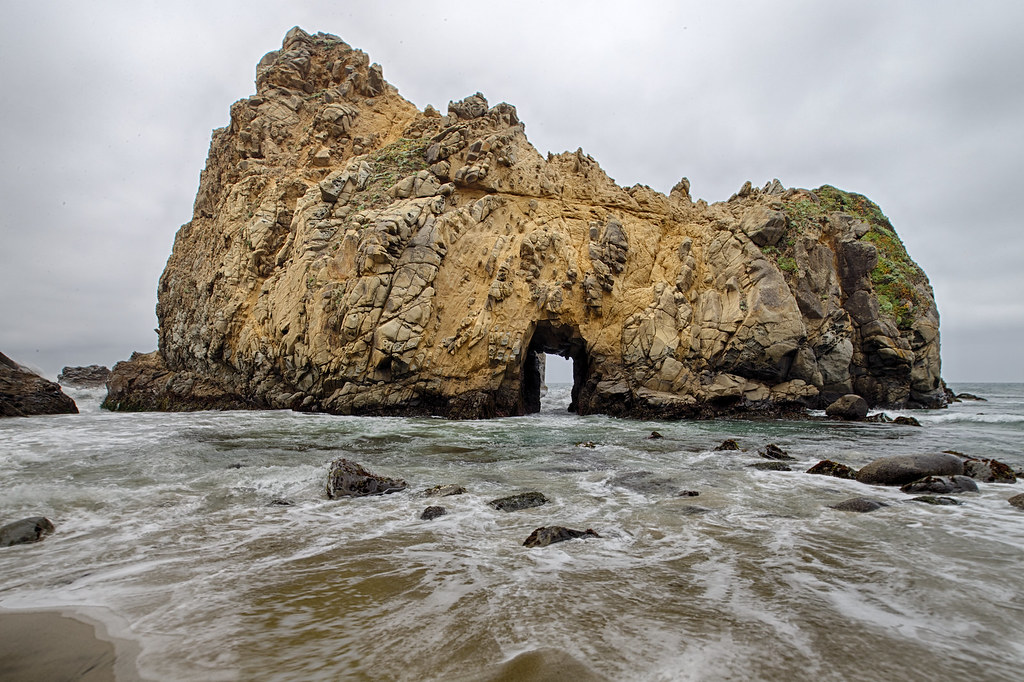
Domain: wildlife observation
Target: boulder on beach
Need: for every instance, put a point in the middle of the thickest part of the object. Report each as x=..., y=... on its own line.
x=941, y=485
x=827, y=467
x=349, y=479
x=988, y=470
x=858, y=504
x=850, y=407
x=519, y=501
x=24, y=393
x=32, y=529
x=901, y=469
x=548, y=535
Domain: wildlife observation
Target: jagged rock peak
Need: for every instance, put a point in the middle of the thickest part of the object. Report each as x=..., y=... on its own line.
x=351, y=253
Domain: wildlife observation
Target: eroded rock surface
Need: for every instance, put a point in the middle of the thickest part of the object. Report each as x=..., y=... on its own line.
x=353, y=254
x=92, y=376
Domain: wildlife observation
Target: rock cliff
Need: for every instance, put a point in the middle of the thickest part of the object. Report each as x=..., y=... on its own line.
x=353, y=254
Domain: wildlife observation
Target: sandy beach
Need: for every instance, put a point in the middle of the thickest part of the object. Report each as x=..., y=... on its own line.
x=47, y=645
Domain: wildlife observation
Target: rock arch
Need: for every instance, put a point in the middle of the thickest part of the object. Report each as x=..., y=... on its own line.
x=563, y=339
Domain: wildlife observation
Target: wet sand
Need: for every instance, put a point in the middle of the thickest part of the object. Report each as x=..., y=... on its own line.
x=47, y=645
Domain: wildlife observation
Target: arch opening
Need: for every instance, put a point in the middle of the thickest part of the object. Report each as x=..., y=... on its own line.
x=555, y=339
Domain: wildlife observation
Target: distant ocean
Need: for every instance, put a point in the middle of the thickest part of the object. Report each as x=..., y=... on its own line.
x=168, y=532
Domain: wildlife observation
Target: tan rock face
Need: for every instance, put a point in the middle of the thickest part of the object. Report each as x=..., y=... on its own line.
x=353, y=254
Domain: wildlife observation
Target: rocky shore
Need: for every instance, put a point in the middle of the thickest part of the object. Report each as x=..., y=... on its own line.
x=352, y=254
x=24, y=393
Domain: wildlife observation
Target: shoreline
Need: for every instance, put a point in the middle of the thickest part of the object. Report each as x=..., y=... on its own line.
x=60, y=644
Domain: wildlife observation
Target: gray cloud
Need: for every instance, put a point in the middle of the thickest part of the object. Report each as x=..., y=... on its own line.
x=108, y=108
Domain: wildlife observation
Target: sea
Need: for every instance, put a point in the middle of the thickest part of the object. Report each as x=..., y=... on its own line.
x=207, y=541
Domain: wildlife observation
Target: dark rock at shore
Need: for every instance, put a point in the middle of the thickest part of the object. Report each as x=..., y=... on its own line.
x=988, y=470
x=936, y=500
x=773, y=451
x=92, y=376
x=827, y=467
x=432, y=512
x=858, y=504
x=32, y=529
x=970, y=396
x=444, y=490
x=850, y=407
x=941, y=485
x=548, y=535
x=906, y=421
x=727, y=444
x=901, y=469
x=770, y=466
x=1017, y=501
x=516, y=502
x=23, y=393
x=349, y=479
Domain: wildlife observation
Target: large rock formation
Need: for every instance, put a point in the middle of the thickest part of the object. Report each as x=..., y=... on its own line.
x=353, y=254
x=24, y=393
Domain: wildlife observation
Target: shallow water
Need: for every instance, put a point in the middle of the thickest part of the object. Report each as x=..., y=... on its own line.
x=166, y=531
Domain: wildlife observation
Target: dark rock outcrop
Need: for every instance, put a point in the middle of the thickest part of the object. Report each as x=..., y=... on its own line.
x=32, y=529
x=906, y=421
x=349, y=479
x=827, y=467
x=969, y=396
x=901, y=469
x=23, y=393
x=351, y=254
x=850, y=407
x=548, y=535
x=1017, y=501
x=858, y=504
x=939, y=501
x=727, y=445
x=517, y=502
x=941, y=485
x=92, y=376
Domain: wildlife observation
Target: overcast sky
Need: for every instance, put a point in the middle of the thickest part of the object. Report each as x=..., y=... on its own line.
x=107, y=110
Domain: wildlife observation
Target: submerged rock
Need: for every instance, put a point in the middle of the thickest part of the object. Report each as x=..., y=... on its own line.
x=850, y=407
x=770, y=466
x=901, y=469
x=32, y=529
x=517, y=502
x=333, y=218
x=349, y=479
x=444, y=490
x=906, y=421
x=727, y=445
x=24, y=393
x=936, y=500
x=548, y=535
x=1017, y=501
x=970, y=396
x=431, y=513
x=644, y=482
x=941, y=485
x=827, y=467
x=859, y=504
